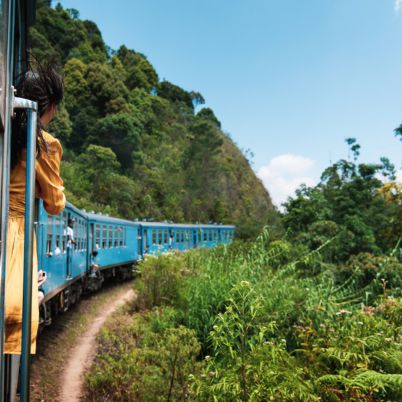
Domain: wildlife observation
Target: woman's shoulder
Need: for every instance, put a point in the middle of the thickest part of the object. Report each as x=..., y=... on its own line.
x=52, y=144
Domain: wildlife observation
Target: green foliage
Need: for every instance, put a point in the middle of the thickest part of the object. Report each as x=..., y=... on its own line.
x=144, y=363
x=246, y=360
x=160, y=281
x=274, y=322
x=348, y=202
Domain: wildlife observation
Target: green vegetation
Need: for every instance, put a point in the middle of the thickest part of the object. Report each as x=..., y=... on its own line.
x=311, y=315
x=251, y=323
x=138, y=147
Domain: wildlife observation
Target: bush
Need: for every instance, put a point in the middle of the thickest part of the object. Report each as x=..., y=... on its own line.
x=160, y=281
x=154, y=367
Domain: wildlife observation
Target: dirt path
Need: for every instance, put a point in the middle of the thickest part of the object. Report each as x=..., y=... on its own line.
x=82, y=355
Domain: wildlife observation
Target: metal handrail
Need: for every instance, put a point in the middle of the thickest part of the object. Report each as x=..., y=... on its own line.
x=31, y=107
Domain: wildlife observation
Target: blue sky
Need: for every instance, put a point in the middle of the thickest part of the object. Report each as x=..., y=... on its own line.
x=289, y=80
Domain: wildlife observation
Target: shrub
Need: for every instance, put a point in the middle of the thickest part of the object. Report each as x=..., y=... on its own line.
x=160, y=281
x=155, y=367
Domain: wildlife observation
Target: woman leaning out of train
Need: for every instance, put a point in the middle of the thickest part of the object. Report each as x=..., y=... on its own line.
x=44, y=86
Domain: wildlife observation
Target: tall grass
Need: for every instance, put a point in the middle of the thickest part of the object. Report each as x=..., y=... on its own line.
x=263, y=321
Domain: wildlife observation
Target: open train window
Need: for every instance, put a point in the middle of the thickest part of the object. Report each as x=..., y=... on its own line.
x=121, y=235
x=64, y=228
x=154, y=237
x=49, y=236
x=166, y=237
x=104, y=236
x=84, y=235
x=116, y=236
x=160, y=236
x=110, y=236
x=97, y=236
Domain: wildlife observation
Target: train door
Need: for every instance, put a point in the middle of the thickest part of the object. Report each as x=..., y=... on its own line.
x=195, y=238
x=145, y=246
x=139, y=242
x=69, y=242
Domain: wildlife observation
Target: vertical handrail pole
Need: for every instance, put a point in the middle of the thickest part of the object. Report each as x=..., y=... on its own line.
x=8, y=95
x=28, y=247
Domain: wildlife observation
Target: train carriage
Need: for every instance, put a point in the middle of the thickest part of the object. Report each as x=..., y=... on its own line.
x=112, y=242
x=64, y=259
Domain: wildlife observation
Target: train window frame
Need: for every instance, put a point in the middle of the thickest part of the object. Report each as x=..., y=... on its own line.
x=49, y=235
x=110, y=236
x=116, y=237
x=64, y=232
x=96, y=246
x=59, y=232
x=121, y=243
x=104, y=236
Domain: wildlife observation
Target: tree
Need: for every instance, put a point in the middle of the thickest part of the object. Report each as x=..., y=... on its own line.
x=140, y=72
x=349, y=196
x=120, y=132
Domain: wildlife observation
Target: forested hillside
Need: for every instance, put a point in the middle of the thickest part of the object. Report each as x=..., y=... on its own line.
x=138, y=147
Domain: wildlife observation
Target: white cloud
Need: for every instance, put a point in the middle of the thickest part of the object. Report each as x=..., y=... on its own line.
x=284, y=174
x=397, y=5
x=399, y=175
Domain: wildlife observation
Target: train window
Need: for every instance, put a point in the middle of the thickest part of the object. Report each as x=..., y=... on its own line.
x=84, y=235
x=110, y=236
x=57, y=245
x=97, y=236
x=77, y=235
x=121, y=236
x=104, y=236
x=116, y=236
x=49, y=236
x=125, y=236
x=205, y=235
x=64, y=231
x=154, y=236
x=177, y=236
x=166, y=237
x=160, y=236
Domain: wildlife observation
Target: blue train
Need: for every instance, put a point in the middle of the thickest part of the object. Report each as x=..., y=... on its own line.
x=79, y=250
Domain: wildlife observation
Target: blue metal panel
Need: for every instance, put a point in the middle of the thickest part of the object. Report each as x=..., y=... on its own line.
x=116, y=241
x=60, y=262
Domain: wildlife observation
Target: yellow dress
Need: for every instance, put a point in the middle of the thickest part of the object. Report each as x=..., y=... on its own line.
x=49, y=187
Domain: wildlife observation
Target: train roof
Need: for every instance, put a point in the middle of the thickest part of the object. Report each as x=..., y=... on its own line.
x=109, y=219
x=185, y=225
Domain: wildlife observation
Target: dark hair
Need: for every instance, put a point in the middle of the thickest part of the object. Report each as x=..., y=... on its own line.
x=44, y=86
